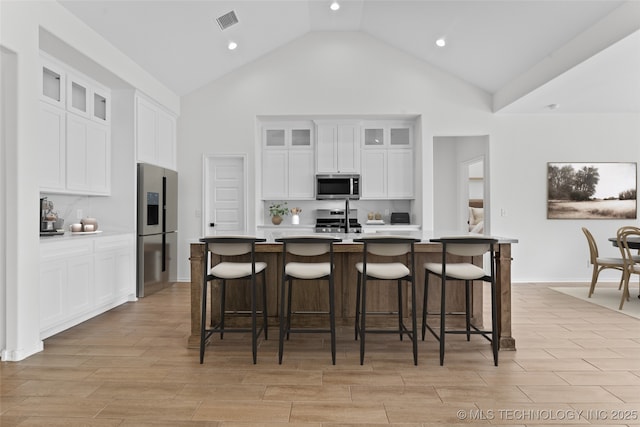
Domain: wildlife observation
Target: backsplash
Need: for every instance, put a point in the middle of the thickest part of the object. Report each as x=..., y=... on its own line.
x=67, y=207
x=308, y=215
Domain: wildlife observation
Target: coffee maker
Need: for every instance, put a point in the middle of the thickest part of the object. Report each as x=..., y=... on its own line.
x=48, y=219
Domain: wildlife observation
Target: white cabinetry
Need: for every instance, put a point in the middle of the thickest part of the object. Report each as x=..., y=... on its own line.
x=287, y=161
x=387, y=161
x=52, y=148
x=53, y=89
x=82, y=278
x=88, y=157
x=155, y=134
x=338, y=148
x=75, y=132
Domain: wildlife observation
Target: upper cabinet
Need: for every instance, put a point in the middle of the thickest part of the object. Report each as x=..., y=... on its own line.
x=387, y=134
x=338, y=148
x=387, y=160
x=74, y=132
x=288, y=161
x=53, y=88
x=155, y=134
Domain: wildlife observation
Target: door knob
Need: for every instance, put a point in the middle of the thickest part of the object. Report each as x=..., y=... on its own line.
x=212, y=224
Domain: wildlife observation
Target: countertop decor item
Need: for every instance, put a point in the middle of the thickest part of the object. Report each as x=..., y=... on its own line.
x=295, y=215
x=277, y=211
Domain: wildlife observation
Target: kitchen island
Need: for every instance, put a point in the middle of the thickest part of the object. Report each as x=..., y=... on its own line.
x=347, y=254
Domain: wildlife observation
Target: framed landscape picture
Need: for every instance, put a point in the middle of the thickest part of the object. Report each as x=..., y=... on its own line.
x=591, y=191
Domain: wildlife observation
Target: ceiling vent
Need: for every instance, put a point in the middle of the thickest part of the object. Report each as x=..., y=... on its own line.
x=227, y=20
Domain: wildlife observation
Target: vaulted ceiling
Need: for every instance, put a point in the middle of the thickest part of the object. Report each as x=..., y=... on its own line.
x=528, y=54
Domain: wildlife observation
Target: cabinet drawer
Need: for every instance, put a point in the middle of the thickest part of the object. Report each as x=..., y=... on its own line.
x=70, y=248
x=114, y=243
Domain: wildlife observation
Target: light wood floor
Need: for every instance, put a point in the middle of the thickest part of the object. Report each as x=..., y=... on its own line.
x=576, y=363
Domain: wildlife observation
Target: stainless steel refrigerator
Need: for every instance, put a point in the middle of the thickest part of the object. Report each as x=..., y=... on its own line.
x=157, y=228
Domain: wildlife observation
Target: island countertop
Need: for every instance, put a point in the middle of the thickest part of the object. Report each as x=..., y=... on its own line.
x=348, y=253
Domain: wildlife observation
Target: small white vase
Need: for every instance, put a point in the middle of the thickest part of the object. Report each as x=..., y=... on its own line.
x=295, y=219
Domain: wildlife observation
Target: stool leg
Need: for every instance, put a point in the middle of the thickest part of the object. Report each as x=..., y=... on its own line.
x=254, y=336
x=494, y=323
x=332, y=318
x=467, y=303
x=289, y=308
x=425, y=300
x=414, y=326
x=363, y=318
x=400, y=313
x=443, y=300
x=282, y=319
x=223, y=296
x=265, y=321
x=203, y=321
x=358, y=285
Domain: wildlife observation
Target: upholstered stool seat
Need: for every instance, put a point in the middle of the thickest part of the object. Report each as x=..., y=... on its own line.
x=384, y=271
x=236, y=270
x=308, y=270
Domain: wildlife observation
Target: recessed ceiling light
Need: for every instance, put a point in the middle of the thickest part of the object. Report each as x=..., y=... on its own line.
x=335, y=5
x=441, y=42
x=552, y=106
x=232, y=45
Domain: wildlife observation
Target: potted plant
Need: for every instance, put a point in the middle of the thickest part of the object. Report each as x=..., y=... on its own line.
x=277, y=211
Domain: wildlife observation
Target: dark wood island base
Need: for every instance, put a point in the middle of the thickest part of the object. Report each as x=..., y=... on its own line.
x=347, y=254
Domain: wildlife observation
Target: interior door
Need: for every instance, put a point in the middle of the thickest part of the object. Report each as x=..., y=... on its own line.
x=225, y=204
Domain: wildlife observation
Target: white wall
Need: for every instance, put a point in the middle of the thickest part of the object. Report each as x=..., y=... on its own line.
x=20, y=27
x=331, y=74
x=521, y=146
x=352, y=74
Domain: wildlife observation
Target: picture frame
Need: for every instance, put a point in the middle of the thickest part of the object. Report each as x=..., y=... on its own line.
x=595, y=190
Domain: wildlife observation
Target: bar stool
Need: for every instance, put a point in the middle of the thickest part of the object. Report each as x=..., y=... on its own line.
x=226, y=270
x=462, y=246
x=306, y=246
x=387, y=246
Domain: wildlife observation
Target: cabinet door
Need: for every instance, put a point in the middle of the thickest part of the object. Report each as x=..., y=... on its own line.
x=99, y=158
x=52, y=148
x=125, y=280
x=78, y=296
x=301, y=175
x=101, y=111
x=53, y=84
x=275, y=169
x=77, y=155
x=53, y=290
x=374, y=170
x=400, y=174
x=146, y=116
x=105, y=277
x=348, y=149
x=88, y=156
x=166, y=134
x=326, y=153
x=78, y=96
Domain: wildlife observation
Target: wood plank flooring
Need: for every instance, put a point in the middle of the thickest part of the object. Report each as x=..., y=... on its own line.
x=575, y=364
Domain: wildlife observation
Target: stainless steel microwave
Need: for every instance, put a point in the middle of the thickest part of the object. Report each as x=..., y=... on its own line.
x=337, y=187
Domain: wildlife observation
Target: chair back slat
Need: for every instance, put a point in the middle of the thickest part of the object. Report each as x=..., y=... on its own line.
x=593, y=248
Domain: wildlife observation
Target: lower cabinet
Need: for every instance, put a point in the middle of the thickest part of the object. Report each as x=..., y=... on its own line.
x=82, y=278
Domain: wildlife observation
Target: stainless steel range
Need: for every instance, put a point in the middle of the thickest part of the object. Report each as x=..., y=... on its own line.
x=335, y=221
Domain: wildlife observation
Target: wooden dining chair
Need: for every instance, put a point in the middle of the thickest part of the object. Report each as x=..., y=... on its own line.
x=631, y=261
x=601, y=263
